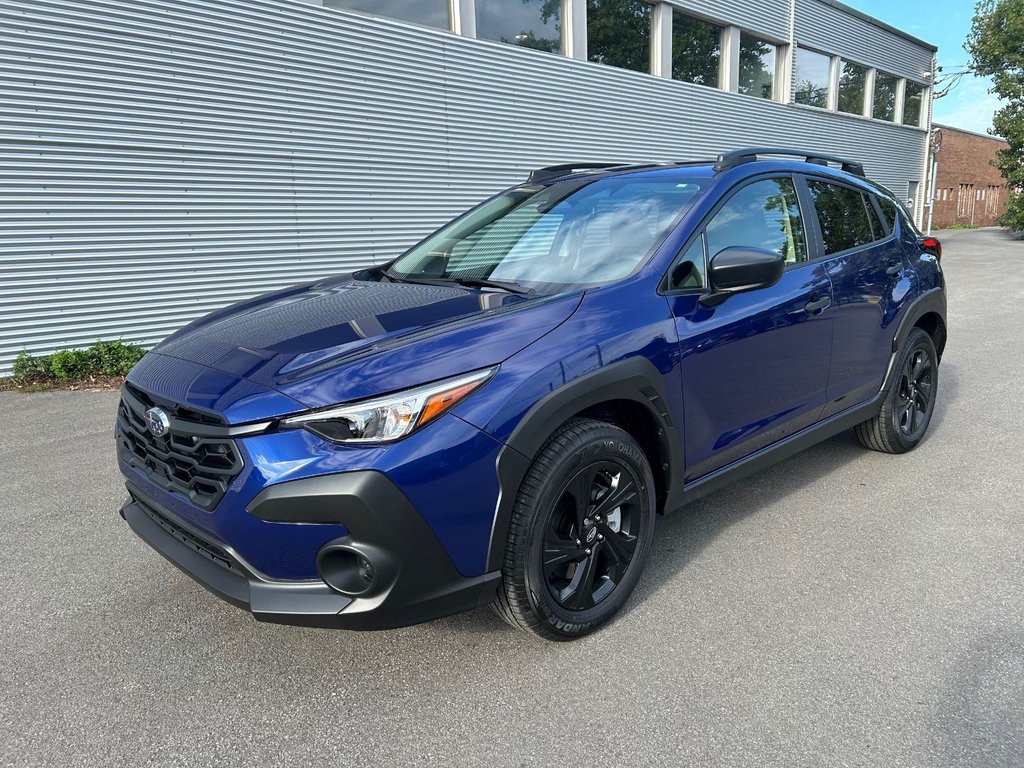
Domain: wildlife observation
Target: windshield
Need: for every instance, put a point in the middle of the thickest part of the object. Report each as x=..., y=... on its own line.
x=568, y=235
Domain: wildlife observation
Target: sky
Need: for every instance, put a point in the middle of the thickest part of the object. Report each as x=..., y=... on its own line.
x=944, y=23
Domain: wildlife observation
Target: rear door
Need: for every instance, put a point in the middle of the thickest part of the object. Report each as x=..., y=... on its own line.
x=754, y=368
x=870, y=279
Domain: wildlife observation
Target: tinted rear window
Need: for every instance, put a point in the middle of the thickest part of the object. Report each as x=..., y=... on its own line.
x=843, y=215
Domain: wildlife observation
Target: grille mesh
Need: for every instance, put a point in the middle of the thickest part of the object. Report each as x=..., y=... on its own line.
x=198, y=468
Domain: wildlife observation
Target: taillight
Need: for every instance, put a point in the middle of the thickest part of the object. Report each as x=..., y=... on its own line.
x=933, y=246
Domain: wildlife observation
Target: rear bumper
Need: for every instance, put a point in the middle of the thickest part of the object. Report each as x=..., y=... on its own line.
x=417, y=579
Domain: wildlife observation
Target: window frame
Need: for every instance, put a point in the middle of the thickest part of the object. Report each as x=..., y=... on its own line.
x=700, y=229
x=819, y=242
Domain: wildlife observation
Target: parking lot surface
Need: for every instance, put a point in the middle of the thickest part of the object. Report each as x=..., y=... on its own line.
x=843, y=608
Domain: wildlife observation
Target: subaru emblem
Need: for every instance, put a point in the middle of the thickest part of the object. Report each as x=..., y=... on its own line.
x=158, y=422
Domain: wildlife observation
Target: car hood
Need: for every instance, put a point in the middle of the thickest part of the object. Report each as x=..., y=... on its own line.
x=344, y=339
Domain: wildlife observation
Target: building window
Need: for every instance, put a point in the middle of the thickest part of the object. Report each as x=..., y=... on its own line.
x=757, y=66
x=812, y=78
x=965, y=200
x=619, y=33
x=528, y=23
x=852, y=87
x=912, y=98
x=885, y=97
x=696, y=50
x=432, y=13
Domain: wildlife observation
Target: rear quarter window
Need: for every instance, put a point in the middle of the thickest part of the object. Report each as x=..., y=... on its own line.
x=844, y=217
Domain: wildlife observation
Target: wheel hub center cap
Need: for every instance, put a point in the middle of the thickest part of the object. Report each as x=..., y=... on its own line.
x=591, y=534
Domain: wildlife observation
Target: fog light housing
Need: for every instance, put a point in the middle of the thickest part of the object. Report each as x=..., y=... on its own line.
x=356, y=569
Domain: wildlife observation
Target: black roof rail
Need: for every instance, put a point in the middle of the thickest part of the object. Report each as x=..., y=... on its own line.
x=554, y=171
x=736, y=157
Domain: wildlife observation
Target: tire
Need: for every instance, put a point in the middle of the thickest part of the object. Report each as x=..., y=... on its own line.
x=907, y=409
x=580, y=533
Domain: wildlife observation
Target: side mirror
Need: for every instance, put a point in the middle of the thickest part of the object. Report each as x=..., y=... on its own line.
x=739, y=269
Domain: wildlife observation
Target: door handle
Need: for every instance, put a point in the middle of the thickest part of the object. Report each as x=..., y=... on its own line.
x=815, y=306
x=894, y=268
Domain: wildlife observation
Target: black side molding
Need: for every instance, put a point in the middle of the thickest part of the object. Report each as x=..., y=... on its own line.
x=773, y=454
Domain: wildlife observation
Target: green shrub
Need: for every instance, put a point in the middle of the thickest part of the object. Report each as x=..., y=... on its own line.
x=28, y=367
x=106, y=358
x=962, y=226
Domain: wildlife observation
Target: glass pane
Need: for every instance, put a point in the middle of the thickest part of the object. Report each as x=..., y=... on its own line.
x=561, y=236
x=757, y=66
x=912, y=104
x=619, y=33
x=764, y=214
x=885, y=97
x=889, y=211
x=852, y=83
x=812, y=78
x=696, y=50
x=688, y=272
x=529, y=23
x=842, y=215
x=433, y=13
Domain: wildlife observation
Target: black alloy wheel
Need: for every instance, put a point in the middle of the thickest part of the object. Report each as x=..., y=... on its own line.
x=580, y=533
x=590, y=536
x=914, y=397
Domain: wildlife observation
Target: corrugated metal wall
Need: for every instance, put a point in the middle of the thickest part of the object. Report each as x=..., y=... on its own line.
x=821, y=24
x=769, y=18
x=160, y=159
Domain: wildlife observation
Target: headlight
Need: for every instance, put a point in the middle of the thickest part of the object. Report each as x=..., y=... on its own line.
x=388, y=418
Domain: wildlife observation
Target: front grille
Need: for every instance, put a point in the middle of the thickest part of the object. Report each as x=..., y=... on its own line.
x=197, y=467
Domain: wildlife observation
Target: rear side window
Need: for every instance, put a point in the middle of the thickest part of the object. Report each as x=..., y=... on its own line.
x=843, y=215
x=888, y=211
x=764, y=214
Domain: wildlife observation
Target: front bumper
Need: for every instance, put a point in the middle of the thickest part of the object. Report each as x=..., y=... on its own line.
x=415, y=579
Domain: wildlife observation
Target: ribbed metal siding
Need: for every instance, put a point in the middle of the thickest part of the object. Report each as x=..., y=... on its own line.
x=823, y=26
x=768, y=18
x=161, y=159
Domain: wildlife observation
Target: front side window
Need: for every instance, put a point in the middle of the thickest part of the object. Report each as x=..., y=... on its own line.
x=912, y=99
x=432, y=13
x=528, y=23
x=757, y=66
x=764, y=214
x=619, y=33
x=885, y=97
x=853, y=80
x=566, y=235
x=696, y=50
x=843, y=216
x=812, y=78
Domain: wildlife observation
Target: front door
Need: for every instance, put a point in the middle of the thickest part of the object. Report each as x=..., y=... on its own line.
x=754, y=368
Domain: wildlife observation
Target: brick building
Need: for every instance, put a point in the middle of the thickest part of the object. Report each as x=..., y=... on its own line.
x=968, y=188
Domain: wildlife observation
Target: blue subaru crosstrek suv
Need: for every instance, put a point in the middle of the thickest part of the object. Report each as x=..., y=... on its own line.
x=499, y=414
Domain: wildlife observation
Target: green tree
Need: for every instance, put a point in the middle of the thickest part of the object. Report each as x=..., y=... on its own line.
x=996, y=47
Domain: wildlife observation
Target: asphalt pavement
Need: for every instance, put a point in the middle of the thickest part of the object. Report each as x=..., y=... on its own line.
x=843, y=608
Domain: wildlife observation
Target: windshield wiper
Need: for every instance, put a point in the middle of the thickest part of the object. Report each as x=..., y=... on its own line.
x=468, y=282
x=480, y=282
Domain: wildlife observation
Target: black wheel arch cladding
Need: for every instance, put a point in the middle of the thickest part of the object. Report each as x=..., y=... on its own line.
x=635, y=380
